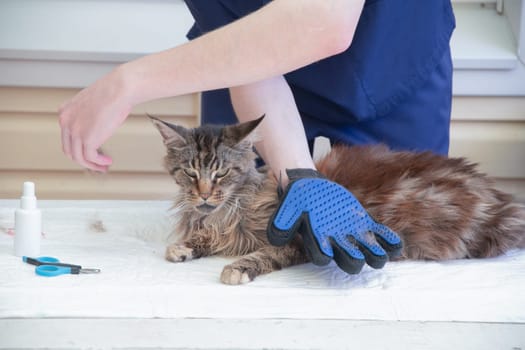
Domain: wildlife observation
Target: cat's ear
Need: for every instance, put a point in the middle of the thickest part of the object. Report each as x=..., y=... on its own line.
x=170, y=132
x=234, y=134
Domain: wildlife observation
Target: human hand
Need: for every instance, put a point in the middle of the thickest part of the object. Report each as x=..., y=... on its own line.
x=90, y=118
x=332, y=222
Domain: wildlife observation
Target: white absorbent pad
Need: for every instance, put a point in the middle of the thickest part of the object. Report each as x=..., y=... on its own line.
x=127, y=239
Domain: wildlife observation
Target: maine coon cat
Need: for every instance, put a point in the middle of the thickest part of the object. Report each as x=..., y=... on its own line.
x=442, y=208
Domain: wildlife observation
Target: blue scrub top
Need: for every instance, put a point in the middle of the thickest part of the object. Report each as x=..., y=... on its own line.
x=393, y=85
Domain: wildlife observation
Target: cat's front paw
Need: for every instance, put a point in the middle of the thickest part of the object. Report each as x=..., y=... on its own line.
x=237, y=275
x=178, y=253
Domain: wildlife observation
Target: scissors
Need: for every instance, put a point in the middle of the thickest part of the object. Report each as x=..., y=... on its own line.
x=50, y=267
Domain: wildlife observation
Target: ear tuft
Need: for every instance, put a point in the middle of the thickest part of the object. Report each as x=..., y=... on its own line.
x=234, y=134
x=170, y=132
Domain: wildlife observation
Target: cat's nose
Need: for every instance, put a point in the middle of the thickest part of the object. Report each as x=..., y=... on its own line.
x=205, y=195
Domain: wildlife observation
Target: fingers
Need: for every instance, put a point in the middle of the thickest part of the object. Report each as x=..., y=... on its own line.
x=279, y=236
x=389, y=237
x=96, y=160
x=352, y=253
x=287, y=219
x=319, y=253
x=347, y=256
x=377, y=245
x=374, y=255
x=66, y=143
x=88, y=157
x=389, y=240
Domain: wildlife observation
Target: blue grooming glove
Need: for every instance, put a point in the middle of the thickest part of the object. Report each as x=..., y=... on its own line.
x=332, y=222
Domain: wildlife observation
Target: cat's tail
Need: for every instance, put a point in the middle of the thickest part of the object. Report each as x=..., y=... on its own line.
x=501, y=227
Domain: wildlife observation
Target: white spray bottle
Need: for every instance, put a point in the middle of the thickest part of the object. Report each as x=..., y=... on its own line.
x=28, y=224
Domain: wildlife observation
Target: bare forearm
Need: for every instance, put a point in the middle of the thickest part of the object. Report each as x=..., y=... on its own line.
x=279, y=38
x=283, y=142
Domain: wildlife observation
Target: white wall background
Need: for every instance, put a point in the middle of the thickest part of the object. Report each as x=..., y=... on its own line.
x=50, y=48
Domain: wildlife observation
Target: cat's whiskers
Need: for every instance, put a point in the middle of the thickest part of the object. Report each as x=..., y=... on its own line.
x=183, y=202
x=234, y=203
x=232, y=206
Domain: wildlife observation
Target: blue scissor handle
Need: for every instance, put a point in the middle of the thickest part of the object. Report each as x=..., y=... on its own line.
x=49, y=266
x=47, y=259
x=51, y=271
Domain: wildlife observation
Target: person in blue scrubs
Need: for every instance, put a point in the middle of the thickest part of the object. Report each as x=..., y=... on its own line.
x=393, y=85
x=355, y=71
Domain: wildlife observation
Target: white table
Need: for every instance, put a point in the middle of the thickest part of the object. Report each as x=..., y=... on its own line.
x=141, y=300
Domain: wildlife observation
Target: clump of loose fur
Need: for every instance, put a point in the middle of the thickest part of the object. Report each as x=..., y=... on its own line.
x=442, y=208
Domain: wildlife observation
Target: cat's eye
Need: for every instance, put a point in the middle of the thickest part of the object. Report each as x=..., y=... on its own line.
x=221, y=173
x=191, y=173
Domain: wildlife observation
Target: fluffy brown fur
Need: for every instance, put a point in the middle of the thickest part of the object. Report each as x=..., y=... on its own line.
x=442, y=208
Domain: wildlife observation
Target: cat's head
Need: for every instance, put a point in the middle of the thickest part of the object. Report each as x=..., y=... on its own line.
x=209, y=163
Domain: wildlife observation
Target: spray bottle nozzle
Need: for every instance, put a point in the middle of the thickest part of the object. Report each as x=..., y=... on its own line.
x=29, y=189
x=28, y=200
